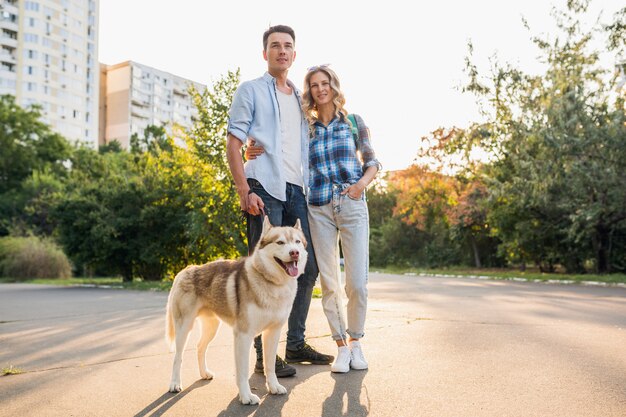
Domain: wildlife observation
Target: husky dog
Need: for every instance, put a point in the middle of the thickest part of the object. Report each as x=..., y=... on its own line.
x=252, y=294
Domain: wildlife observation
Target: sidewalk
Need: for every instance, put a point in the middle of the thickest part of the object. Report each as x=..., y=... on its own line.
x=436, y=347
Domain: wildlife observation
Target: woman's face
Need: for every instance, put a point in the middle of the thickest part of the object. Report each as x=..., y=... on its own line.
x=319, y=86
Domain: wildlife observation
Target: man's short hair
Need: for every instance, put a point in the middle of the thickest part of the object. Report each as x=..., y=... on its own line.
x=280, y=29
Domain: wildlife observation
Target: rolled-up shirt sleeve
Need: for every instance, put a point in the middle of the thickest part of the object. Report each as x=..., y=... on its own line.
x=364, y=145
x=241, y=113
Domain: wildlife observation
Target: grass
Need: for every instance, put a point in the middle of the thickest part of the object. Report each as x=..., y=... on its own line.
x=101, y=282
x=507, y=274
x=113, y=283
x=493, y=273
x=11, y=370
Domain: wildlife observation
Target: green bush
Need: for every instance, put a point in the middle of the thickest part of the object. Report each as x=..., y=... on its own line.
x=31, y=257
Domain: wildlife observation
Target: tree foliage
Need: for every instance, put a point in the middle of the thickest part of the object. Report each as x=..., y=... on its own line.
x=32, y=163
x=151, y=212
x=556, y=182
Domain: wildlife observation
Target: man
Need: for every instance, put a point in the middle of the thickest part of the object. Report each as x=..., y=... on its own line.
x=268, y=110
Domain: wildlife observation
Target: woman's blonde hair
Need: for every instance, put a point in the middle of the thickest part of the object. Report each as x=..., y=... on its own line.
x=308, y=104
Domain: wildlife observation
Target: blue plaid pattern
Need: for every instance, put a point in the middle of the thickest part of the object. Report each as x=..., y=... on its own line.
x=333, y=158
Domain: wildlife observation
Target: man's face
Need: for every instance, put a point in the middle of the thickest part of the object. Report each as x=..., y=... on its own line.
x=280, y=52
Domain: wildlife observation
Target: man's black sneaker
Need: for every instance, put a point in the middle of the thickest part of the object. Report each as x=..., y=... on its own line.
x=307, y=354
x=282, y=368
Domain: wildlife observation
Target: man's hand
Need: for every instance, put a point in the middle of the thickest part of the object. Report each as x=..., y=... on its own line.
x=248, y=201
x=255, y=205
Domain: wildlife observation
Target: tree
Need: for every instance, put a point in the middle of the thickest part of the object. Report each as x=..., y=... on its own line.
x=153, y=211
x=221, y=227
x=556, y=180
x=32, y=155
x=423, y=201
x=98, y=216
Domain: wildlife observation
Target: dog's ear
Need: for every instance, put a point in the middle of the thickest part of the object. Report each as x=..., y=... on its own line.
x=266, y=225
x=298, y=225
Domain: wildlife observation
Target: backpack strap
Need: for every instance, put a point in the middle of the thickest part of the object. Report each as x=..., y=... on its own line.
x=355, y=129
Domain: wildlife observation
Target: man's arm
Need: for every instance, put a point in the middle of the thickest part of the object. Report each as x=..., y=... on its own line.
x=249, y=202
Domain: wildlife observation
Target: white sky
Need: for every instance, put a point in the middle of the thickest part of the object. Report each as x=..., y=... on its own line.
x=400, y=62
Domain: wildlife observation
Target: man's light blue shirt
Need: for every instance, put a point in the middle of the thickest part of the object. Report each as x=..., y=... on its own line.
x=255, y=113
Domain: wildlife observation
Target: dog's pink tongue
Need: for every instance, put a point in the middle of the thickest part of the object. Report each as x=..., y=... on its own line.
x=292, y=268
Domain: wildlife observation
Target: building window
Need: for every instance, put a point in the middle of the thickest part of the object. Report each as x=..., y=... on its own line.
x=30, y=54
x=31, y=5
x=5, y=82
x=31, y=37
x=30, y=87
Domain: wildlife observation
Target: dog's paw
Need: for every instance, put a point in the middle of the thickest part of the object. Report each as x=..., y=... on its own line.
x=176, y=387
x=206, y=374
x=250, y=399
x=276, y=389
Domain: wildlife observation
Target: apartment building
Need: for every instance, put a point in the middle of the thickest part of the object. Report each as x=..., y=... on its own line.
x=49, y=57
x=134, y=96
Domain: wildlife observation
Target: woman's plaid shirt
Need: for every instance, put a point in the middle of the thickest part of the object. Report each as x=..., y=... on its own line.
x=333, y=158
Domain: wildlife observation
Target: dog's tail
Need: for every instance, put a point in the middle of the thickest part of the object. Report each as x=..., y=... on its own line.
x=170, y=330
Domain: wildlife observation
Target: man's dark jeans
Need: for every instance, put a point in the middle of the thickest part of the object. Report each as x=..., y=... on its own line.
x=285, y=213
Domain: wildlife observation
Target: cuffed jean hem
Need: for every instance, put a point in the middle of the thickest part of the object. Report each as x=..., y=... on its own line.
x=345, y=336
x=356, y=335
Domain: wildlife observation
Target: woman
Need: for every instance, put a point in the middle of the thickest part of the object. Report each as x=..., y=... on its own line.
x=337, y=209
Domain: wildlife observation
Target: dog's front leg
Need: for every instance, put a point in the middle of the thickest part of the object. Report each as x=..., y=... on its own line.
x=270, y=345
x=243, y=341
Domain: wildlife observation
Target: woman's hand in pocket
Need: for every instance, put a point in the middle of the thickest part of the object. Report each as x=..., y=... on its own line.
x=354, y=191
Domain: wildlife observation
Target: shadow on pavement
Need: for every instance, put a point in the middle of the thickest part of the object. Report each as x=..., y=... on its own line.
x=166, y=401
x=348, y=387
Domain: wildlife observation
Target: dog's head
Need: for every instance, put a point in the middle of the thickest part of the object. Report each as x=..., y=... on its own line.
x=284, y=248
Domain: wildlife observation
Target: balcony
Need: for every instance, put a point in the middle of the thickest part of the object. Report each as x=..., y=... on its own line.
x=8, y=22
x=10, y=7
x=5, y=67
x=140, y=99
x=7, y=57
x=139, y=112
x=180, y=89
x=8, y=38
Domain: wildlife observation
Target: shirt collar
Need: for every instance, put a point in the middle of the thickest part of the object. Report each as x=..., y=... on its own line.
x=270, y=79
x=332, y=122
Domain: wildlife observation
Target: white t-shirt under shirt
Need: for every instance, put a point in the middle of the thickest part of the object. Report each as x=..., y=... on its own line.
x=290, y=128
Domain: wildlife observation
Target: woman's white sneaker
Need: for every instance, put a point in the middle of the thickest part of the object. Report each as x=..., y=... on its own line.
x=342, y=362
x=358, y=359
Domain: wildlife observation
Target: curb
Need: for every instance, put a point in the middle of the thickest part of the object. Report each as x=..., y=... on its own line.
x=521, y=279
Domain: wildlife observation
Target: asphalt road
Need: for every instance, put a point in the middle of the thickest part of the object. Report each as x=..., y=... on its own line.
x=436, y=347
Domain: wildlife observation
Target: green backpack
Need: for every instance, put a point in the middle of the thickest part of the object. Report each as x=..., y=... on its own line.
x=355, y=129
